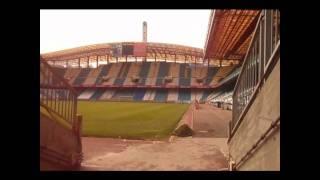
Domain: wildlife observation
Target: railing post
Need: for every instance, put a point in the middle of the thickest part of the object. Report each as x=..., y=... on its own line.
x=77, y=125
x=74, y=107
x=254, y=67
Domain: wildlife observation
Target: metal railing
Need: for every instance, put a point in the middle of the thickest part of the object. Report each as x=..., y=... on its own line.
x=264, y=44
x=56, y=95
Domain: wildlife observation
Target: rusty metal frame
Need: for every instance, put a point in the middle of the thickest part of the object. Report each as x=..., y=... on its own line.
x=50, y=82
x=227, y=36
x=163, y=51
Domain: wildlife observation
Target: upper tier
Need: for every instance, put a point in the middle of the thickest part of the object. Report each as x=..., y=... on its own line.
x=145, y=74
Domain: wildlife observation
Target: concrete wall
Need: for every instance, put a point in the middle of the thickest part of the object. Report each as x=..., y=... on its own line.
x=264, y=110
x=58, y=144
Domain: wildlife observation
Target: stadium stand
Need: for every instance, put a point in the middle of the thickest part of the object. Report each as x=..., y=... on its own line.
x=86, y=94
x=81, y=76
x=144, y=72
x=224, y=97
x=203, y=74
x=214, y=94
x=71, y=74
x=184, y=95
x=222, y=72
x=92, y=76
x=112, y=74
x=104, y=71
x=149, y=95
x=195, y=94
x=163, y=72
x=132, y=72
x=174, y=73
x=205, y=94
x=152, y=76
x=185, y=75
x=211, y=72
x=123, y=94
x=233, y=74
x=161, y=95
x=120, y=78
x=195, y=74
x=148, y=73
x=97, y=94
x=173, y=95
x=139, y=94
x=107, y=94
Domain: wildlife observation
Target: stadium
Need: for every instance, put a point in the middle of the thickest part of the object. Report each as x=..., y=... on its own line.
x=160, y=106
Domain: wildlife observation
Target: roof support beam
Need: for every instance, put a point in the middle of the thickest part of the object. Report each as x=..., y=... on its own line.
x=243, y=37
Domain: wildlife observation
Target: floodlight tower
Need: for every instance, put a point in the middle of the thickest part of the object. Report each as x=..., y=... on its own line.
x=144, y=30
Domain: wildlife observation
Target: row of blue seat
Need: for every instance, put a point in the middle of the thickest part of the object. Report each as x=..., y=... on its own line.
x=122, y=75
x=163, y=72
x=184, y=75
x=104, y=71
x=82, y=76
x=143, y=74
x=137, y=94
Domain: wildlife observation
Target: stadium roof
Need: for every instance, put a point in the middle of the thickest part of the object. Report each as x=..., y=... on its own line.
x=228, y=38
x=153, y=50
x=229, y=33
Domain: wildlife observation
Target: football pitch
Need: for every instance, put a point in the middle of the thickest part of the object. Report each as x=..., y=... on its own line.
x=132, y=120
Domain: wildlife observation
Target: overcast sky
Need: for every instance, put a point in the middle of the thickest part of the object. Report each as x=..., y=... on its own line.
x=61, y=29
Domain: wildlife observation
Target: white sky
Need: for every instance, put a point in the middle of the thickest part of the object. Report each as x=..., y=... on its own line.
x=61, y=29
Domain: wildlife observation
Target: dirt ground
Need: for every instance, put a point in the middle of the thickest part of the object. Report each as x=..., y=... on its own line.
x=205, y=151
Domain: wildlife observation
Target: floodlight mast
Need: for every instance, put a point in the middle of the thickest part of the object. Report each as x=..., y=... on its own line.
x=144, y=30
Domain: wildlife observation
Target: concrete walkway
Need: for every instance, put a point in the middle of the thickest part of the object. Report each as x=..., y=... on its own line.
x=184, y=154
x=206, y=151
x=210, y=121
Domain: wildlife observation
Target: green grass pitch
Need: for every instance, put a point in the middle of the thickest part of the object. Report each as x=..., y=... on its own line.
x=130, y=120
